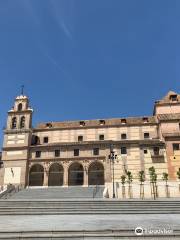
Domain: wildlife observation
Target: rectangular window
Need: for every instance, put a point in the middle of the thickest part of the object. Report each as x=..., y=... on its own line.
x=38, y=154
x=46, y=139
x=57, y=153
x=76, y=152
x=96, y=151
x=175, y=147
x=156, y=151
x=173, y=98
x=82, y=123
x=80, y=138
x=123, y=136
x=101, y=137
x=145, y=151
x=146, y=135
x=123, y=121
x=102, y=122
x=123, y=150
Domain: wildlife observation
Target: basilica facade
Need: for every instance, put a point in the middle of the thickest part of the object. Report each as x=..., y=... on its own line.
x=78, y=152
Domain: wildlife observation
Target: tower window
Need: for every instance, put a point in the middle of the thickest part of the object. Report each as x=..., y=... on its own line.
x=80, y=138
x=22, y=122
x=173, y=98
x=123, y=150
x=57, y=153
x=123, y=136
x=76, y=152
x=46, y=139
x=101, y=137
x=38, y=154
x=96, y=151
x=20, y=107
x=146, y=135
x=145, y=151
x=14, y=122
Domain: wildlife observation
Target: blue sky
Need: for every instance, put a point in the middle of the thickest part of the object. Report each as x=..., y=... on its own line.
x=87, y=59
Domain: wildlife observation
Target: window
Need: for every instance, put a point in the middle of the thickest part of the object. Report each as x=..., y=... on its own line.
x=49, y=125
x=123, y=121
x=38, y=154
x=96, y=151
x=173, y=98
x=156, y=151
x=20, y=107
x=101, y=137
x=123, y=136
x=14, y=123
x=175, y=146
x=22, y=122
x=80, y=138
x=76, y=152
x=102, y=122
x=35, y=140
x=57, y=153
x=123, y=150
x=46, y=139
x=145, y=120
x=82, y=123
x=145, y=151
x=146, y=135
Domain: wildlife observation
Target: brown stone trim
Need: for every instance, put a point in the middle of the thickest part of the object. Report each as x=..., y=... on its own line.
x=68, y=159
x=91, y=127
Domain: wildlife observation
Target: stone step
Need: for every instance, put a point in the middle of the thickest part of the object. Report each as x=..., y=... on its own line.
x=84, y=235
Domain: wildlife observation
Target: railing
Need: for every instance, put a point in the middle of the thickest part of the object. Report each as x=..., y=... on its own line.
x=95, y=191
x=10, y=189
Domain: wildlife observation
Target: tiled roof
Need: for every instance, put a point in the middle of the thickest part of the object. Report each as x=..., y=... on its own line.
x=98, y=122
x=164, y=117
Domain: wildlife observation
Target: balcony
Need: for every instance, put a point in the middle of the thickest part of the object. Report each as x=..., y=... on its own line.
x=158, y=158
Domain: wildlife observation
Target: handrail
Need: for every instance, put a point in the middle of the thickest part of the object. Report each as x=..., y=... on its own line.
x=95, y=191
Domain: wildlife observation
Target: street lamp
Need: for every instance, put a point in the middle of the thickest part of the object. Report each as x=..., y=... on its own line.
x=112, y=157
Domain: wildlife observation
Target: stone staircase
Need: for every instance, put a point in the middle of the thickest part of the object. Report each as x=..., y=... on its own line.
x=73, y=213
x=58, y=193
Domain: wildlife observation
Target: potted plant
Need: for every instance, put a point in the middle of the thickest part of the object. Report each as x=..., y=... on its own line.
x=142, y=180
x=123, y=180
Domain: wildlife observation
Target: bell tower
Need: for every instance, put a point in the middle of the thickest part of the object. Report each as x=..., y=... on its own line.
x=17, y=139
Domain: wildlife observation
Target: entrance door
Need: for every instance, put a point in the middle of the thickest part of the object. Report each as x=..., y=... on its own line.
x=75, y=174
x=96, y=174
x=36, y=175
x=56, y=173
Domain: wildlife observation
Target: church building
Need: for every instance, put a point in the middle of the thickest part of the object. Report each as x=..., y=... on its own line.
x=78, y=152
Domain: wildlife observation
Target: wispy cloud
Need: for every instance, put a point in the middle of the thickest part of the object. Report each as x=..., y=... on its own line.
x=58, y=15
x=66, y=30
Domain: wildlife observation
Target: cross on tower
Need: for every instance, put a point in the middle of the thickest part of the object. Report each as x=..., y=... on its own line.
x=22, y=90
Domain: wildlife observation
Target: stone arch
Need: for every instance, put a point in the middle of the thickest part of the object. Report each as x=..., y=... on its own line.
x=20, y=107
x=14, y=123
x=96, y=174
x=22, y=122
x=75, y=174
x=36, y=175
x=56, y=174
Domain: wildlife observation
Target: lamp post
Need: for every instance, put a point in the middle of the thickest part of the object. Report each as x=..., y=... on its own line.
x=112, y=157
